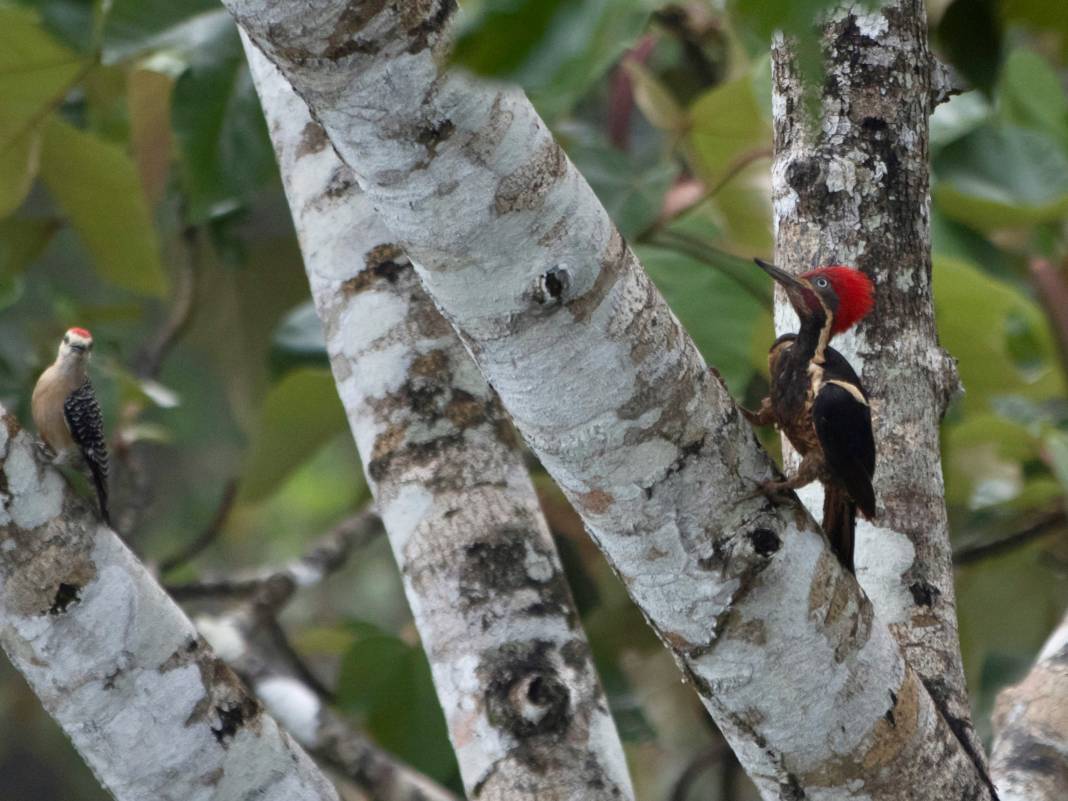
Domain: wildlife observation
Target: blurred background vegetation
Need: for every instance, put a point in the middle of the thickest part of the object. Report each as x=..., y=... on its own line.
x=139, y=197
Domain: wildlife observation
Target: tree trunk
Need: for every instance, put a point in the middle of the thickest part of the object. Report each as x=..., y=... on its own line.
x=144, y=700
x=851, y=187
x=1030, y=754
x=511, y=664
x=609, y=391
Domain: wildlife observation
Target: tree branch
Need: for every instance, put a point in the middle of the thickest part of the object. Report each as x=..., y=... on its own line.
x=813, y=694
x=851, y=187
x=1044, y=525
x=510, y=662
x=144, y=700
x=1030, y=754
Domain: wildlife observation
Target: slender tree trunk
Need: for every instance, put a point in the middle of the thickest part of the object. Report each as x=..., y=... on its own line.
x=1030, y=754
x=851, y=187
x=147, y=704
x=813, y=694
x=511, y=664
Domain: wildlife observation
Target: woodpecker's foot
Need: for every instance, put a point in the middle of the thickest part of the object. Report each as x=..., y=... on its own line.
x=762, y=416
x=772, y=490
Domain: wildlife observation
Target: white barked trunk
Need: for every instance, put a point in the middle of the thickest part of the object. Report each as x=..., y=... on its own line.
x=812, y=692
x=151, y=709
x=513, y=670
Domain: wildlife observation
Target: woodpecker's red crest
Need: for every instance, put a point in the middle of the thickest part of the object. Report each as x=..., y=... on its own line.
x=855, y=291
x=80, y=332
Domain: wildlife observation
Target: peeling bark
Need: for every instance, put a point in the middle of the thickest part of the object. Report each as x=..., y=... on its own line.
x=812, y=693
x=1029, y=759
x=513, y=671
x=144, y=700
x=852, y=188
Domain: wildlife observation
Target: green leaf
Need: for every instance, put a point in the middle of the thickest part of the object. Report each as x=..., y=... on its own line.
x=22, y=240
x=555, y=50
x=971, y=35
x=975, y=317
x=300, y=414
x=959, y=115
x=149, y=101
x=387, y=682
x=221, y=131
x=655, y=99
x=718, y=313
x=1002, y=176
x=631, y=189
x=96, y=184
x=134, y=26
x=19, y=163
x=1031, y=95
x=726, y=126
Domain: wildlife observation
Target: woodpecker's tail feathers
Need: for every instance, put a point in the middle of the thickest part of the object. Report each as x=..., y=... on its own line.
x=100, y=481
x=840, y=522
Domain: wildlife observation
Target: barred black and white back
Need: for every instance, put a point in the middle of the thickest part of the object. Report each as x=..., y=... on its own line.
x=86, y=425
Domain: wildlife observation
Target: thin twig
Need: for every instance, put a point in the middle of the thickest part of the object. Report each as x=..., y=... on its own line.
x=1046, y=524
x=150, y=360
x=210, y=533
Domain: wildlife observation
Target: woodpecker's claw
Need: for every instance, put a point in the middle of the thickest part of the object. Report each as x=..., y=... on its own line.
x=44, y=451
x=772, y=490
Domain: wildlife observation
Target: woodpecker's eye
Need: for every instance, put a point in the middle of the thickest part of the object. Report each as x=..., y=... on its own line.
x=822, y=283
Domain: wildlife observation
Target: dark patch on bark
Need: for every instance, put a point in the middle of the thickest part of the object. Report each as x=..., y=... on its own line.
x=66, y=596
x=765, y=541
x=432, y=135
x=890, y=712
x=525, y=695
x=343, y=41
x=614, y=261
x=429, y=27
x=385, y=262
x=312, y=139
x=341, y=181
x=791, y=790
x=923, y=593
x=232, y=717
x=576, y=654
x=409, y=454
x=552, y=285
x=526, y=187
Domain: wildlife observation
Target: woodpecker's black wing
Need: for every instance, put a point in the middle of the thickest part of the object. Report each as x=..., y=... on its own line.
x=842, y=419
x=87, y=428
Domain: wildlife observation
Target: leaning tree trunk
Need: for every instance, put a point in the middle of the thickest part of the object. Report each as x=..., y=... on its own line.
x=851, y=187
x=1030, y=754
x=513, y=670
x=813, y=693
x=150, y=708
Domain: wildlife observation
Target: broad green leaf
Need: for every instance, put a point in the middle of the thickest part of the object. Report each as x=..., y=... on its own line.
x=555, y=50
x=1031, y=95
x=134, y=26
x=959, y=115
x=19, y=163
x=221, y=132
x=300, y=414
x=96, y=184
x=655, y=99
x=1002, y=176
x=149, y=100
x=631, y=189
x=984, y=453
x=974, y=314
x=387, y=682
x=726, y=127
x=35, y=74
x=971, y=36
x=22, y=240
x=717, y=312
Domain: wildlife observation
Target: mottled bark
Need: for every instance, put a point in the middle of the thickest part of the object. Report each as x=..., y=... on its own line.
x=244, y=637
x=1029, y=759
x=512, y=668
x=151, y=709
x=812, y=693
x=851, y=187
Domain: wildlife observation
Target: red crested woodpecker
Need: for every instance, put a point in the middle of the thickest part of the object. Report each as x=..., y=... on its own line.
x=818, y=402
x=67, y=414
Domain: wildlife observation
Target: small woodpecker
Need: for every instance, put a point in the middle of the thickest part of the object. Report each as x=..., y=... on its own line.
x=67, y=414
x=818, y=402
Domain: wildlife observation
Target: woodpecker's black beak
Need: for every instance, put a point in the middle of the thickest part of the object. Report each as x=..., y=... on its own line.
x=78, y=347
x=788, y=281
